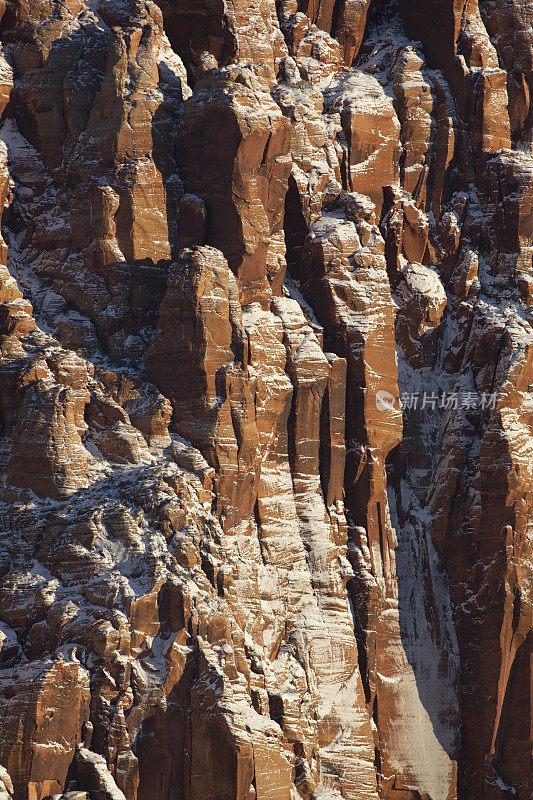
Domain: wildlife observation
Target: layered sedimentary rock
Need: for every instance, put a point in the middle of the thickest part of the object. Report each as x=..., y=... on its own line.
x=266, y=400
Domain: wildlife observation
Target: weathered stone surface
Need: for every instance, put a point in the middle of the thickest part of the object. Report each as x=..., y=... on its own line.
x=41, y=724
x=210, y=35
x=371, y=128
x=265, y=400
x=48, y=454
x=317, y=54
x=236, y=144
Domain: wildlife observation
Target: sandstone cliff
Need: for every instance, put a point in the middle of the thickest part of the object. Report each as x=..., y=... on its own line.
x=266, y=409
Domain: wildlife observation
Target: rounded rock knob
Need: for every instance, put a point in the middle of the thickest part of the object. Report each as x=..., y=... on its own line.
x=87, y=734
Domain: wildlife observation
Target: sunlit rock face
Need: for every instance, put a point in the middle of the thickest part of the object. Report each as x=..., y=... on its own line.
x=266, y=400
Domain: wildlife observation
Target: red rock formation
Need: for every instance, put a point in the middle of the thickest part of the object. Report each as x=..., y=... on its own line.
x=265, y=400
x=241, y=178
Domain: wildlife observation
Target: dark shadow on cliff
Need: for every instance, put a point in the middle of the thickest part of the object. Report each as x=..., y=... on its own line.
x=183, y=745
x=426, y=625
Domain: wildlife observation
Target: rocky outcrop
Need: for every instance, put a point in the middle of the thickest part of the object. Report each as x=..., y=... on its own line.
x=265, y=400
x=240, y=178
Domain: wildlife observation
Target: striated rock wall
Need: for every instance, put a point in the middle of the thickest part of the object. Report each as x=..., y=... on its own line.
x=266, y=411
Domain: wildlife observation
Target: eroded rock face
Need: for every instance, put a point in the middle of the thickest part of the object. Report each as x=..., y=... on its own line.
x=266, y=400
x=236, y=144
